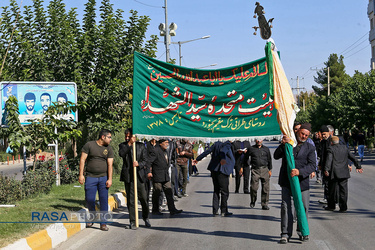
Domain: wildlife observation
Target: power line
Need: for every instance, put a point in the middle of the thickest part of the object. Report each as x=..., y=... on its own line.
x=354, y=47
x=354, y=43
x=359, y=50
x=153, y=6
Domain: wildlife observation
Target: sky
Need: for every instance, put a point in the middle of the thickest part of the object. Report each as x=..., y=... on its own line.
x=305, y=32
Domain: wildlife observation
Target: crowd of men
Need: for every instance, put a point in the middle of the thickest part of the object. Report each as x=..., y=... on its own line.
x=166, y=164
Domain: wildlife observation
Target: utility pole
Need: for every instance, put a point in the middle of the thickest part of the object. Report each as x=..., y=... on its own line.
x=298, y=88
x=166, y=37
x=329, y=90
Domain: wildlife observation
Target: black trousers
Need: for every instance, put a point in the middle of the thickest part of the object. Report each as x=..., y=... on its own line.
x=142, y=197
x=166, y=187
x=339, y=186
x=246, y=179
x=221, y=188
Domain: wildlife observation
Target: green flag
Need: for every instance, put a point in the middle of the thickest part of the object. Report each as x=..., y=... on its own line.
x=229, y=103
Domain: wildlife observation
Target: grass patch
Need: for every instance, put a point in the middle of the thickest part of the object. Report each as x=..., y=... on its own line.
x=61, y=198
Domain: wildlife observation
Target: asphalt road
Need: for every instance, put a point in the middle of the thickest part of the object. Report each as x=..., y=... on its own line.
x=248, y=228
x=13, y=170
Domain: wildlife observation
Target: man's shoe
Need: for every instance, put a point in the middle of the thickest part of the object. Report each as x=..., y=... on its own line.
x=342, y=211
x=319, y=181
x=236, y=192
x=265, y=207
x=89, y=225
x=246, y=192
x=197, y=174
x=215, y=213
x=157, y=213
x=323, y=201
x=175, y=198
x=303, y=238
x=147, y=222
x=283, y=240
x=252, y=204
x=179, y=195
x=226, y=214
x=177, y=211
x=131, y=226
x=329, y=208
x=104, y=227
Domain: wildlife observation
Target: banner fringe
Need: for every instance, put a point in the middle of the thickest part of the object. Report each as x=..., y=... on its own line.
x=212, y=139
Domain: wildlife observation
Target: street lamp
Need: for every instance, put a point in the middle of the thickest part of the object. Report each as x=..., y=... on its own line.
x=182, y=42
x=211, y=65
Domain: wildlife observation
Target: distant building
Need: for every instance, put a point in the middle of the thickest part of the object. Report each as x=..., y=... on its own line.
x=371, y=16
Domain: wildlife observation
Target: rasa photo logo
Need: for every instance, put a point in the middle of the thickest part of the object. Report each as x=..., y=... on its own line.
x=71, y=217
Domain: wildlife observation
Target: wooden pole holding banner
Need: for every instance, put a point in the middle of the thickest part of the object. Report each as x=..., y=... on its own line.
x=135, y=186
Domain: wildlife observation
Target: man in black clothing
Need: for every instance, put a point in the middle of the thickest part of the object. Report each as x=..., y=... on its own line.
x=158, y=159
x=127, y=176
x=337, y=170
x=324, y=145
x=241, y=167
x=261, y=168
x=305, y=163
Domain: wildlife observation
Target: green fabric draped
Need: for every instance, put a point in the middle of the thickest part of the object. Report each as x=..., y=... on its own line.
x=229, y=103
x=296, y=192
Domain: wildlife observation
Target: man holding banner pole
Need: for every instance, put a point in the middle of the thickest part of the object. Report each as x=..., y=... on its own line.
x=134, y=155
x=305, y=162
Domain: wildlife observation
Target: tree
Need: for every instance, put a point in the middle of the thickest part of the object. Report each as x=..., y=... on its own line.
x=337, y=75
x=356, y=102
x=40, y=132
x=51, y=45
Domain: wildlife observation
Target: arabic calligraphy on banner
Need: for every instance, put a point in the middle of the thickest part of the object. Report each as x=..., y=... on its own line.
x=174, y=101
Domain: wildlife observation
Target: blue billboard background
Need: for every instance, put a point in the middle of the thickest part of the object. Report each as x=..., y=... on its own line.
x=31, y=96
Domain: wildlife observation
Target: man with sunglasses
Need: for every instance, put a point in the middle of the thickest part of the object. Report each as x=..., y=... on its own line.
x=97, y=176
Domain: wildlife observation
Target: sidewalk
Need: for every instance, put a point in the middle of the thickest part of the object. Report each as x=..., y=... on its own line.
x=57, y=233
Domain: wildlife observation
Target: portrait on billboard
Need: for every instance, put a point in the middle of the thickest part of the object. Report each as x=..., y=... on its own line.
x=34, y=98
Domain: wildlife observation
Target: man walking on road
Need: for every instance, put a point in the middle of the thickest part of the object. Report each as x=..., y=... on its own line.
x=241, y=167
x=337, y=170
x=127, y=176
x=304, y=157
x=158, y=159
x=221, y=166
x=261, y=168
x=98, y=156
x=184, y=154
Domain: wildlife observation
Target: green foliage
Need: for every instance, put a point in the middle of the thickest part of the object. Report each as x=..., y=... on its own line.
x=4, y=157
x=33, y=183
x=38, y=181
x=117, y=138
x=10, y=190
x=69, y=170
x=50, y=44
x=40, y=132
x=349, y=107
x=337, y=75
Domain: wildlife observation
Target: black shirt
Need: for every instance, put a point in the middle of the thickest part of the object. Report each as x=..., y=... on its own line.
x=259, y=157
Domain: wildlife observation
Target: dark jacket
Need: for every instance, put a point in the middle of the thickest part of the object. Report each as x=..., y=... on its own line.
x=188, y=148
x=259, y=157
x=304, y=158
x=126, y=152
x=240, y=163
x=159, y=165
x=337, y=162
x=219, y=151
x=172, y=153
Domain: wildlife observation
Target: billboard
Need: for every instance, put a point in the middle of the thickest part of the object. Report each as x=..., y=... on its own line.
x=34, y=98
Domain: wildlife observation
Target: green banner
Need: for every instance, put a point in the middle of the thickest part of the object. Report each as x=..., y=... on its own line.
x=229, y=103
